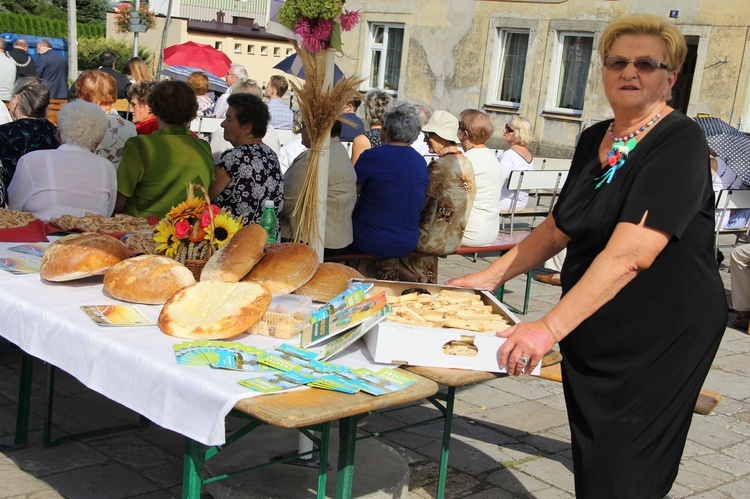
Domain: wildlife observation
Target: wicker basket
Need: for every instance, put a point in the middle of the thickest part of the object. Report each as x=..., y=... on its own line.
x=203, y=249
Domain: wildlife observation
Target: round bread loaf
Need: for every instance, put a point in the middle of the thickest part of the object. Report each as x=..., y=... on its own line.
x=285, y=267
x=81, y=255
x=330, y=280
x=235, y=259
x=150, y=279
x=214, y=310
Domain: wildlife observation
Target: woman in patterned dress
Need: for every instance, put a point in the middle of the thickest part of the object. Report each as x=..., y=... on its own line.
x=250, y=173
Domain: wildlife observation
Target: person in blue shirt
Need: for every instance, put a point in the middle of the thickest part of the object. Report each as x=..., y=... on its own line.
x=391, y=183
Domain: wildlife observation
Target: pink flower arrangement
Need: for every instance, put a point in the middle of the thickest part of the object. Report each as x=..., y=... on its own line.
x=123, y=13
x=318, y=22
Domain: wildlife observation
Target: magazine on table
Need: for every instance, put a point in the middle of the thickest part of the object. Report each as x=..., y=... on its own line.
x=20, y=265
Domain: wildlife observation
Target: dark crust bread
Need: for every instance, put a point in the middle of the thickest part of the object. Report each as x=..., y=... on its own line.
x=81, y=255
x=330, y=280
x=150, y=279
x=214, y=310
x=285, y=267
x=238, y=256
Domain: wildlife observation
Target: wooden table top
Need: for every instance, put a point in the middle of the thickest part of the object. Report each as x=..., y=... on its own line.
x=451, y=377
x=300, y=408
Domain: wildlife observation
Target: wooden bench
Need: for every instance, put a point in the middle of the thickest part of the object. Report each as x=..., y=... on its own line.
x=503, y=243
x=53, y=108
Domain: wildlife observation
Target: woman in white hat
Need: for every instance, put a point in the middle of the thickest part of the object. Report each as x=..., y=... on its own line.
x=448, y=200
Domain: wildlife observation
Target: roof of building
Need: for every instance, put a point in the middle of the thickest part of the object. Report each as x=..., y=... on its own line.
x=240, y=27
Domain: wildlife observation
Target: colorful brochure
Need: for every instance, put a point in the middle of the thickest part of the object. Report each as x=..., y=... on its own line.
x=116, y=315
x=33, y=249
x=343, y=314
x=19, y=265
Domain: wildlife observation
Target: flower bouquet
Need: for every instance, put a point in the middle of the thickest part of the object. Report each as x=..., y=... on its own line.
x=194, y=229
x=126, y=11
x=318, y=22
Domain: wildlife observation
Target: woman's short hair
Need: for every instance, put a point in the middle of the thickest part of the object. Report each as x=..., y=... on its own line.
x=648, y=25
x=246, y=87
x=141, y=90
x=250, y=109
x=97, y=87
x=33, y=97
x=199, y=82
x=401, y=122
x=376, y=101
x=173, y=102
x=522, y=130
x=82, y=123
x=477, y=124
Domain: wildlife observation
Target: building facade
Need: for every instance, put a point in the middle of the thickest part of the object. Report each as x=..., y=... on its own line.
x=539, y=59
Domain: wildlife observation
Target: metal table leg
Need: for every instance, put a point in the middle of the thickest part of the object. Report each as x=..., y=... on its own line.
x=347, y=444
x=447, y=424
x=24, y=402
x=192, y=465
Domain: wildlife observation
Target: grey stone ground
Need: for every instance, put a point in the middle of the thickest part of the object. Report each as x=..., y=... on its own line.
x=510, y=436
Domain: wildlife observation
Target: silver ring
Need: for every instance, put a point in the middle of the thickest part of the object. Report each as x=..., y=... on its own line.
x=523, y=360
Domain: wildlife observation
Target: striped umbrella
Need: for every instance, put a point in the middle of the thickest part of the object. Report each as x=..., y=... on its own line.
x=182, y=72
x=730, y=144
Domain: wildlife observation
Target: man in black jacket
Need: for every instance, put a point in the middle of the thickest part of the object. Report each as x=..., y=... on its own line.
x=24, y=63
x=107, y=62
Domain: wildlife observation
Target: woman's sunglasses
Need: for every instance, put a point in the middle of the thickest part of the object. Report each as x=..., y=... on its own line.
x=642, y=64
x=508, y=129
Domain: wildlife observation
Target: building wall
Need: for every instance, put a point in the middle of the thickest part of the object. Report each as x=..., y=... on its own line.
x=259, y=65
x=451, y=53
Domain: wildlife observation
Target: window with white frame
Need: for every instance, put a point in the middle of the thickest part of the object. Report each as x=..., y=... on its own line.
x=237, y=48
x=573, y=62
x=386, y=49
x=511, y=66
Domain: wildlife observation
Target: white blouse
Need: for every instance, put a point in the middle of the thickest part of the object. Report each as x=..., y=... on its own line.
x=69, y=180
x=483, y=225
x=509, y=162
x=119, y=130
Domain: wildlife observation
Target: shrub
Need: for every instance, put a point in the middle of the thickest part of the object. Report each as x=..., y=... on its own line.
x=90, y=48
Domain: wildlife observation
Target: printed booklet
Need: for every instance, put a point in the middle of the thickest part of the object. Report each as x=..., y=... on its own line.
x=116, y=315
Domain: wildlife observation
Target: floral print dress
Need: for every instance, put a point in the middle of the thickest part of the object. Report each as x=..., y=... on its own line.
x=255, y=175
x=22, y=136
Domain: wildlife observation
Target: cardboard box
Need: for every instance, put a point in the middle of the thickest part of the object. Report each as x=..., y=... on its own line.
x=394, y=343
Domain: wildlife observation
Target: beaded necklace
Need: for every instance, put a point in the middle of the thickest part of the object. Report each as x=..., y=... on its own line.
x=621, y=149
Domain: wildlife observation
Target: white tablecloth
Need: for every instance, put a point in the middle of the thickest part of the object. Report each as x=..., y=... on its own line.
x=134, y=366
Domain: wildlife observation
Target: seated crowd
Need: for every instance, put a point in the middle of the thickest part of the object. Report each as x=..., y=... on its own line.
x=411, y=181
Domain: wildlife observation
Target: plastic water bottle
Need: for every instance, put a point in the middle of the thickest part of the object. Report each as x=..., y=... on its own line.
x=268, y=220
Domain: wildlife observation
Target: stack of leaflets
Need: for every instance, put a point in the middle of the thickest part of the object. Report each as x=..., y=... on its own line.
x=220, y=355
x=299, y=367
x=290, y=366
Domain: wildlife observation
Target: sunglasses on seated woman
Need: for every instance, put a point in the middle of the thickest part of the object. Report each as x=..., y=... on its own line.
x=642, y=64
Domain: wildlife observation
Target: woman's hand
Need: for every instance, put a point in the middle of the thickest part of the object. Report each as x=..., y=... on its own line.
x=526, y=340
x=477, y=280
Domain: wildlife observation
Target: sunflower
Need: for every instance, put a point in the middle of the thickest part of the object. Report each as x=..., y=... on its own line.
x=225, y=226
x=166, y=239
x=190, y=208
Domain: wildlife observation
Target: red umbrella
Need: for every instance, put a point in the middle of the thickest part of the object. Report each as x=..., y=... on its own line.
x=198, y=55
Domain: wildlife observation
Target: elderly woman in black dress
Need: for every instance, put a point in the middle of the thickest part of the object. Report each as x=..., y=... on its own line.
x=29, y=130
x=250, y=173
x=643, y=308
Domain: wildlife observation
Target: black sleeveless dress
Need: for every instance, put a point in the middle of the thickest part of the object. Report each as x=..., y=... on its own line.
x=633, y=370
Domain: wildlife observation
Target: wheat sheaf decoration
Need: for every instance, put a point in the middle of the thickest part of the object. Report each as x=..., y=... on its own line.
x=320, y=108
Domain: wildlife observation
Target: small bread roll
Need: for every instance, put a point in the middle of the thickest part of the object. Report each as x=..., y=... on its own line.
x=285, y=267
x=330, y=280
x=81, y=255
x=235, y=259
x=214, y=310
x=150, y=279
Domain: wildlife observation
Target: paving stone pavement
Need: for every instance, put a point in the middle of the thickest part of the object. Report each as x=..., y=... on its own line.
x=510, y=438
